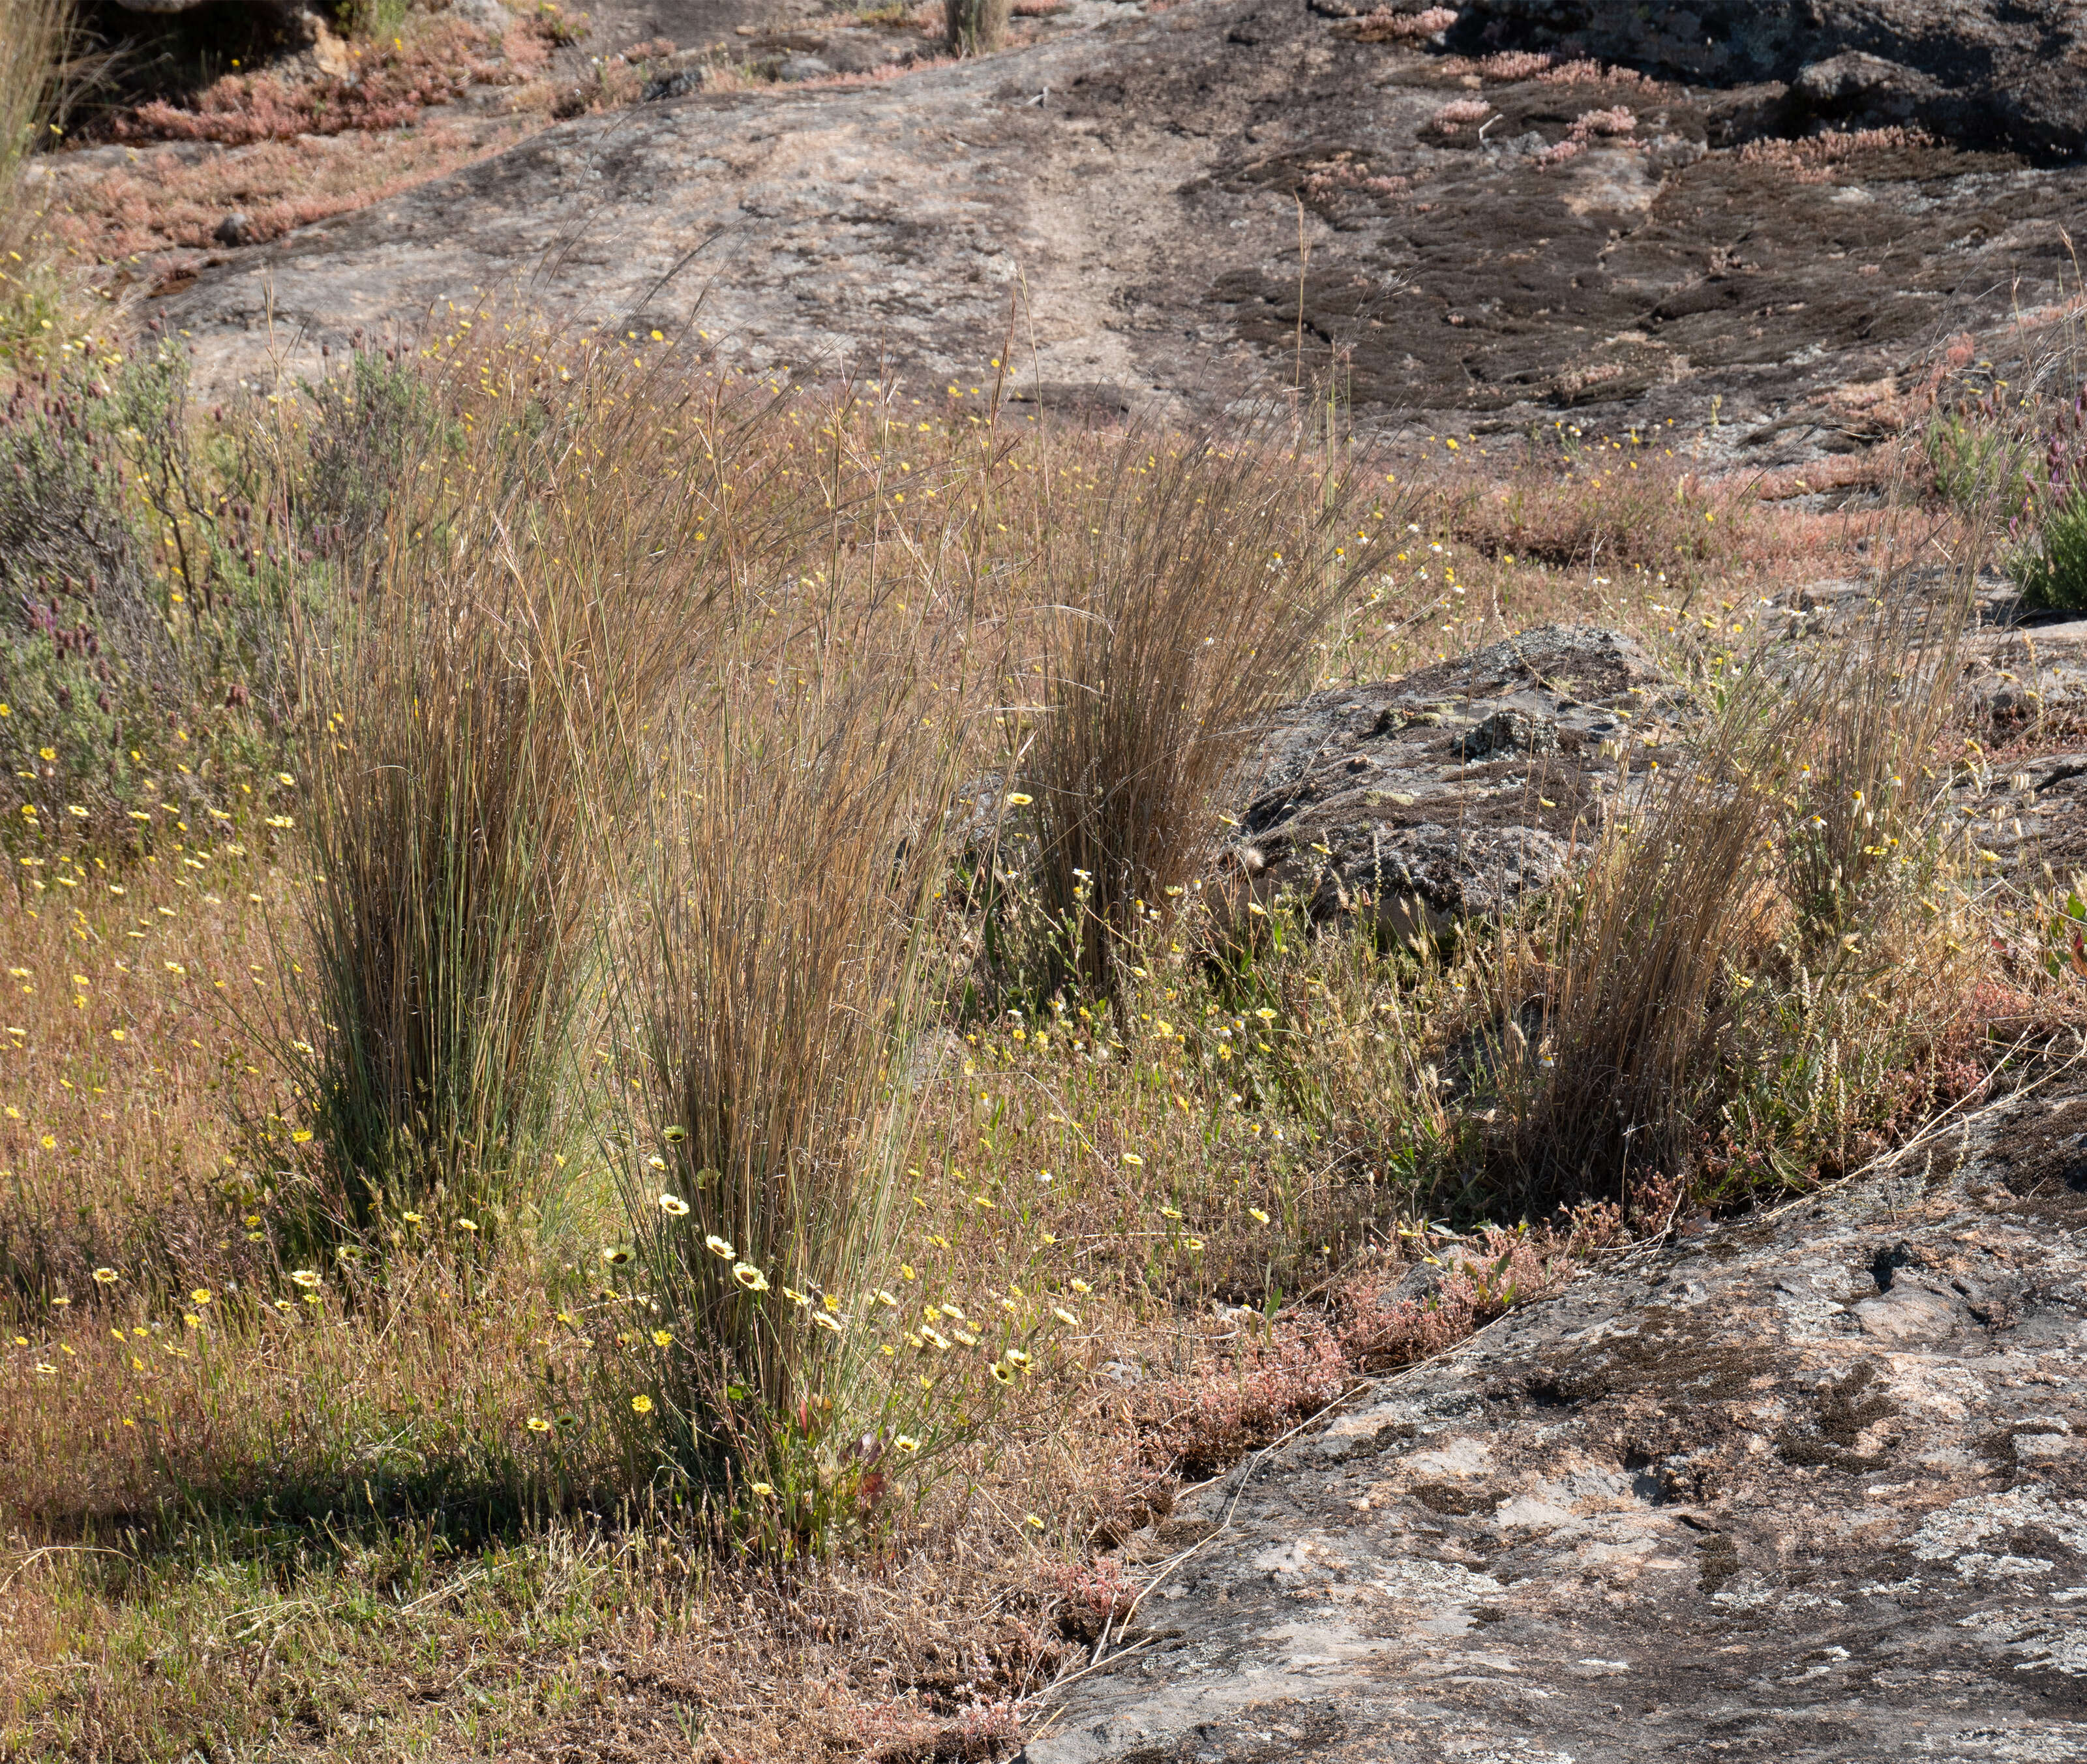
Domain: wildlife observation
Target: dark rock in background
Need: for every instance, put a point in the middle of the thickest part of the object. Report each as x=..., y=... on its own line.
x=1415, y=802
x=1409, y=804
x=2010, y=73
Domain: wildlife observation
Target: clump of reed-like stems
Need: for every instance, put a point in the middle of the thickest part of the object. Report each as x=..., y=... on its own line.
x=1683, y=983
x=773, y=984
x=33, y=34
x=549, y=569
x=1177, y=598
x=1627, y=969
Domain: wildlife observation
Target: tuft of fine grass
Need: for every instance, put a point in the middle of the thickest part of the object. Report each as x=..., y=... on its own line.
x=1713, y=966
x=773, y=986
x=1628, y=972
x=1178, y=597
x=466, y=751
x=33, y=34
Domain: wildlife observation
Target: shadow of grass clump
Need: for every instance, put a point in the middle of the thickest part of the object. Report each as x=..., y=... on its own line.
x=446, y=1401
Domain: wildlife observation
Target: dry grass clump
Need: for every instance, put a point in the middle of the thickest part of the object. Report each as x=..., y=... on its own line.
x=1716, y=977
x=448, y=926
x=32, y=34
x=32, y=40
x=1634, y=994
x=630, y=740
x=529, y=613
x=1598, y=503
x=772, y=987
x=1179, y=595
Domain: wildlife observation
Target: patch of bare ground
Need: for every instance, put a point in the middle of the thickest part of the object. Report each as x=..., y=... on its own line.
x=1592, y=245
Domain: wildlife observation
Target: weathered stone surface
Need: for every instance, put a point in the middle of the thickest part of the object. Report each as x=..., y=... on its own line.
x=1411, y=803
x=2031, y=670
x=1415, y=802
x=1810, y=1485
x=2025, y=800
x=2008, y=73
x=1130, y=189
x=2030, y=812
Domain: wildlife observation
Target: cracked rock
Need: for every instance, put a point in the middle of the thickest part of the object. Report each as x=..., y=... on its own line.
x=1625, y=1528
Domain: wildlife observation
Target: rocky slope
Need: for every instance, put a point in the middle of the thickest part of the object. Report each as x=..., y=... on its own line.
x=1811, y=1485
x=1228, y=194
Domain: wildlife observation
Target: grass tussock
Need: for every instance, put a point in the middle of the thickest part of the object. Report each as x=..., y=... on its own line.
x=774, y=988
x=33, y=34
x=1634, y=976
x=469, y=750
x=1182, y=593
x=1726, y=987
x=449, y=929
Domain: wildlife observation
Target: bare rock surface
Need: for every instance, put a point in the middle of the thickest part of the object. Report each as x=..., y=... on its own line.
x=1450, y=792
x=2026, y=801
x=1411, y=803
x=1809, y=1485
x=1220, y=196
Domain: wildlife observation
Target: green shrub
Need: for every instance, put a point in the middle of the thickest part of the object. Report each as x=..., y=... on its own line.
x=2051, y=565
x=362, y=430
x=1975, y=462
x=146, y=596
